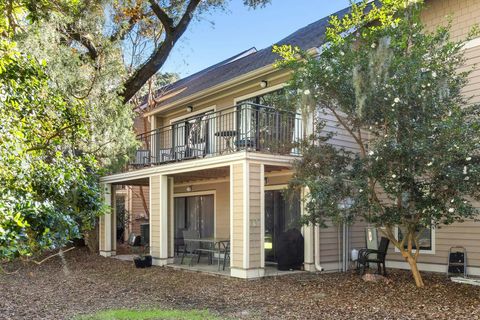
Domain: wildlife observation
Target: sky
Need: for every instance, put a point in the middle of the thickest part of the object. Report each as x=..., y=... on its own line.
x=219, y=35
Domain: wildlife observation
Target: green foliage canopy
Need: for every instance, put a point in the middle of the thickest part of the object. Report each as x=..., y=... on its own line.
x=48, y=187
x=396, y=91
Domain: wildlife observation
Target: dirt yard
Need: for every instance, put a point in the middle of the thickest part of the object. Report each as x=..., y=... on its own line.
x=88, y=283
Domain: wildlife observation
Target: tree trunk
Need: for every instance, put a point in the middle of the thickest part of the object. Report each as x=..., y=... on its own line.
x=92, y=238
x=406, y=253
x=415, y=272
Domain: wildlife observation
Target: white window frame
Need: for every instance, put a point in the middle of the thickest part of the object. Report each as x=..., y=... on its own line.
x=472, y=43
x=422, y=251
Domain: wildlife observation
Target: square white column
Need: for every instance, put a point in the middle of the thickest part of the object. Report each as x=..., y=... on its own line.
x=159, y=219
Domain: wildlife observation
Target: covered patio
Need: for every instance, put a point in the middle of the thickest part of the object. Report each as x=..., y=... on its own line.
x=223, y=200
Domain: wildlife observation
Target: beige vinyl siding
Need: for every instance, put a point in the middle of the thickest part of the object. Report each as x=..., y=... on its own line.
x=222, y=204
x=472, y=89
x=221, y=99
x=155, y=216
x=464, y=15
x=282, y=179
x=465, y=234
x=358, y=234
x=330, y=247
x=135, y=206
x=254, y=216
x=341, y=138
x=237, y=217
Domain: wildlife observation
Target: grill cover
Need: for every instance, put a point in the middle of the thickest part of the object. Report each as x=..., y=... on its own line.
x=290, y=250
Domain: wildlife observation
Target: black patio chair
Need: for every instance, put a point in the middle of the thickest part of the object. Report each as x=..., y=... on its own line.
x=190, y=247
x=367, y=256
x=226, y=254
x=142, y=158
x=178, y=241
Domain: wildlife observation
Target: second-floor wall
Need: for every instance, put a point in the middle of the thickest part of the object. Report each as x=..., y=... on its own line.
x=219, y=100
x=463, y=16
x=223, y=98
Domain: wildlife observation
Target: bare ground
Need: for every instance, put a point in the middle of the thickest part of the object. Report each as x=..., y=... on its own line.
x=90, y=283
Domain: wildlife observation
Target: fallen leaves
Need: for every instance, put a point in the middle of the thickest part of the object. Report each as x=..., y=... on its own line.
x=95, y=283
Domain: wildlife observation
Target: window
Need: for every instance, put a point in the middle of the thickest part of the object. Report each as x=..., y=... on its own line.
x=195, y=213
x=426, y=240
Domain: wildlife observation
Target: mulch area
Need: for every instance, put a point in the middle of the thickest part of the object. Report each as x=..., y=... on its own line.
x=87, y=283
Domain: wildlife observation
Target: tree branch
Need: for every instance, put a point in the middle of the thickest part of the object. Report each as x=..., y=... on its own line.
x=53, y=255
x=166, y=21
x=121, y=33
x=84, y=41
x=159, y=56
x=56, y=134
x=350, y=131
x=8, y=272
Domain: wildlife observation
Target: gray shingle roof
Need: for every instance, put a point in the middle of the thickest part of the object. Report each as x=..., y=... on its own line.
x=311, y=36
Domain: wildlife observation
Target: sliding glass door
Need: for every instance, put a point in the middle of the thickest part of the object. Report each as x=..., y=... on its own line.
x=192, y=137
x=282, y=213
x=194, y=213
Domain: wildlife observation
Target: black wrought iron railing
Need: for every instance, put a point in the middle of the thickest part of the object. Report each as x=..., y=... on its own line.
x=244, y=127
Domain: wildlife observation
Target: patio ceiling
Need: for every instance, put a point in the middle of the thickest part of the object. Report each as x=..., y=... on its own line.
x=134, y=182
x=216, y=173
x=213, y=173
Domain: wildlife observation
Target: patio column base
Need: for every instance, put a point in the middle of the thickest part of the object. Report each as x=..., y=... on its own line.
x=247, y=273
x=107, y=253
x=161, y=262
x=308, y=266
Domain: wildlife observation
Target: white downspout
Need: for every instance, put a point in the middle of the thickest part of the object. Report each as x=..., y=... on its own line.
x=318, y=267
x=344, y=248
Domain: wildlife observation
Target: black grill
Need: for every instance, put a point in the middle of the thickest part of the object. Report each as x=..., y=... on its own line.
x=290, y=250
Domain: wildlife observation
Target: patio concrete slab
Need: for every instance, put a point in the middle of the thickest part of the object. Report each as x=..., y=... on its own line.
x=211, y=269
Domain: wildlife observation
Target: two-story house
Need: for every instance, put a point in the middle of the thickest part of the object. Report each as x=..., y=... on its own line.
x=219, y=153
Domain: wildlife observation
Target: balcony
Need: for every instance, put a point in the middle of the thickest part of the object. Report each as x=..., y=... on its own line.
x=245, y=127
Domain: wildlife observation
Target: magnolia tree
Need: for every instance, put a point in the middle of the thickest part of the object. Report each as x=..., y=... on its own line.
x=396, y=91
x=49, y=191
